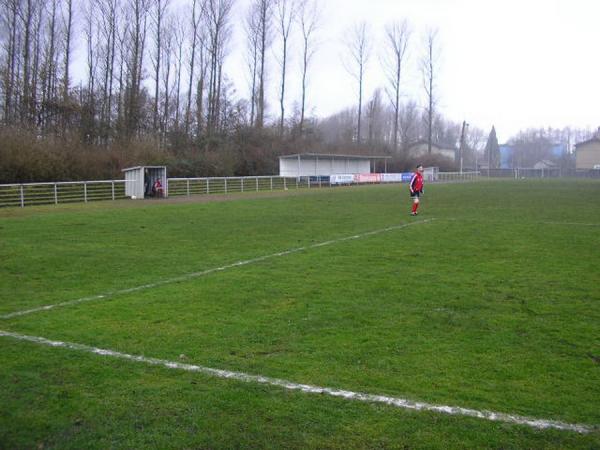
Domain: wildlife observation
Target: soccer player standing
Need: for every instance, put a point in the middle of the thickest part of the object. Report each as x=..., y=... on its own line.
x=416, y=188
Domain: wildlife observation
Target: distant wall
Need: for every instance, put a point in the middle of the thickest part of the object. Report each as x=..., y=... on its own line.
x=588, y=155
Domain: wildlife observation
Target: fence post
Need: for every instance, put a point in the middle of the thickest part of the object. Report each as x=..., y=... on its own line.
x=271, y=183
x=207, y=186
x=308, y=179
x=284, y=184
x=187, y=182
x=242, y=184
x=22, y=197
x=85, y=191
x=226, y=185
x=256, y=184
x=112, y=185
x=55, y=194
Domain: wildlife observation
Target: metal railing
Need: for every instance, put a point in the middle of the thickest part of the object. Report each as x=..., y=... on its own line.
x=230, y=185
x=29, y=194
x=446, y=177
x=519, y=172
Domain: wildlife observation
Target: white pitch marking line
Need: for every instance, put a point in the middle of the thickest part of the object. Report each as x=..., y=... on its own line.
x=573, y=224
x=189, y=276
x=502, y=222
x=311, y=389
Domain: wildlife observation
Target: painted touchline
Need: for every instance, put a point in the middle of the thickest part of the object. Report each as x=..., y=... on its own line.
x=311, y=389
x=208, y=271
x=502, y=222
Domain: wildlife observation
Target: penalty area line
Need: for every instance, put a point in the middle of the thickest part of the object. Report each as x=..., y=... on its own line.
x=401, y=403
x=193, y=275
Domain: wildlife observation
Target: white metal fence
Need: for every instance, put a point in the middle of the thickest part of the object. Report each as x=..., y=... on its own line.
x=445, y=177
x=520, y=172
x=29, y=194
x=229, y=185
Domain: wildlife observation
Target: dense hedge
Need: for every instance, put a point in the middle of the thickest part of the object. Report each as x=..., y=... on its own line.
x=27, y=157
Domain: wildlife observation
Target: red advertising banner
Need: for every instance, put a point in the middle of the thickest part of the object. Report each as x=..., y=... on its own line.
x=367, y=178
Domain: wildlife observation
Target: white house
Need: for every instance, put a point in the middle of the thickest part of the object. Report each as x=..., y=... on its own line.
x=588, y=153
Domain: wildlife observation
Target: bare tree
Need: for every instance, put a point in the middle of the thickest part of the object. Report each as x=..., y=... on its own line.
x=200, y=87
x=179, y=43
x=429, y=66
x=122, y=33
x=49, y=71
x=169, y=38
x=359, y=51
x=474, y=144
x=309, y=21
x=218, y=28
x=285, y=12
x=158, y=14
x=138, y=10
x=68, y=20
x=375, y=118
x=251, y=28
x=408, y=124
x=10, y=16
x=91, y=45
x=397, y=38
x=202, y=69
x=37, y=48
x=92, y=33
x=262, y=10
x=108, y=30
x=27, y=18
x=196, y=16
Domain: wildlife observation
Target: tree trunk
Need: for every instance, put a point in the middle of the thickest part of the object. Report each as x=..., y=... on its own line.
x=360, y=92
x=191, y=79
x=67, y=60
x=263, y=27
x=33, y=105
x=282, y=96
x=304, y=74
x=11, y=54
x=26, y=99
x=160, y=8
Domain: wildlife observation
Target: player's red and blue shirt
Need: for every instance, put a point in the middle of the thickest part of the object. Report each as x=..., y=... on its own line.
x=416, y=183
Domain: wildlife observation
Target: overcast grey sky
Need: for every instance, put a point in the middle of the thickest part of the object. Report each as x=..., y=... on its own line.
x=512, y=63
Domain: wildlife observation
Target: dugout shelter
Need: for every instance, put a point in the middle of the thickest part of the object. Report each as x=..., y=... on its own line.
x=140, y=180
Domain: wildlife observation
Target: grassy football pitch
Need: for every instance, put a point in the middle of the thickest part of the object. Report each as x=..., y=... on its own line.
x=488, y=300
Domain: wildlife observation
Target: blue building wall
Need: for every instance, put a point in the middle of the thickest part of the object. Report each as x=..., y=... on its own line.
x=559, y=150
x=506, y=155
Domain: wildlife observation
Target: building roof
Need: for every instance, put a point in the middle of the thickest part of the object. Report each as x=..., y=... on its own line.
x=331, y=156
x=589, y=141
x=143, y=167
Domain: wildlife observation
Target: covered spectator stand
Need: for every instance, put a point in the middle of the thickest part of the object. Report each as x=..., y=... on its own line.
x=146, y=182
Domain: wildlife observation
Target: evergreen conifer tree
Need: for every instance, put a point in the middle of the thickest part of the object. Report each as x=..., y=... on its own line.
x=492, y=150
